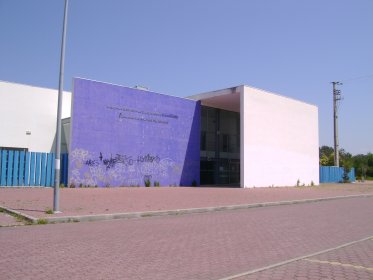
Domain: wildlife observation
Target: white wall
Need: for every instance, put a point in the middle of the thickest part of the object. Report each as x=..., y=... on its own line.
x=279, y=140
x=27, y=108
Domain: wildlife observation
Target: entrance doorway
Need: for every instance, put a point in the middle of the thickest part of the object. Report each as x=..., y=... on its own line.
x=220, y=147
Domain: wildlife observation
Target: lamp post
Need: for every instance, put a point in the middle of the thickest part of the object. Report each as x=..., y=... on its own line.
x=56, y=203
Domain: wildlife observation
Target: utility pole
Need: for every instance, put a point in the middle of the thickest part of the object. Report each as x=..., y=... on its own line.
x=56, y=191
x=336, y=99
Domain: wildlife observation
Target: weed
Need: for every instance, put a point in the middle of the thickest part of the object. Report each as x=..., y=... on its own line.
x=156, y=184
x=42, y=222
x=312, y=183
x=62, y=185
x=147, y=183
x=49, y=211
x=194, y=183
x=19, y=218
x=298, y=183
x=72, y=185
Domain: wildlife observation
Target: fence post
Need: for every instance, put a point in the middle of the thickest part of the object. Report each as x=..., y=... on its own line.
x=43, y=169
x=32, y=169
x=3, y=167
x=21, y=168
x=15, y=168
x=49, y=168
x=53, y=169
x=37, y=170
x=10, y=168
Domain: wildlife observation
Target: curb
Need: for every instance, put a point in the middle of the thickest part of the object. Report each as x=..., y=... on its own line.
x=12, y=212
x=134, y=215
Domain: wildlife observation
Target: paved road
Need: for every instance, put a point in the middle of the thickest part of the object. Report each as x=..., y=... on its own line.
x=351, y=262
x=199, y=246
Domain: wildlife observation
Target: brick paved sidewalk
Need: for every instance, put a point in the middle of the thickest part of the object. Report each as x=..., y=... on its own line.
x=351, y=262
x=8, y=220
x=96, y=201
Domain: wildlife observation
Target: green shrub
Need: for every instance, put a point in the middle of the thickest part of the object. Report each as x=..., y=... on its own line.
x=346, y=178
x=147, y=183
x=42, y=222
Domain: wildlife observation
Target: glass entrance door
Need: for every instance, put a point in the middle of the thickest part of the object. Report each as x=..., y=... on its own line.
x=220, y=147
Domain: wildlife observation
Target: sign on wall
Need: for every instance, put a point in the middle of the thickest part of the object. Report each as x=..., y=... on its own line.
x=124, y=136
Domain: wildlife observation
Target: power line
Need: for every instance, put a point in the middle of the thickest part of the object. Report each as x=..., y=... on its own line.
x=358, y=78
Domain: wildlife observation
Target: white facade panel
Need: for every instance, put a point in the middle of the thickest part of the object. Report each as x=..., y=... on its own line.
x=279, y=140
x=28, y=116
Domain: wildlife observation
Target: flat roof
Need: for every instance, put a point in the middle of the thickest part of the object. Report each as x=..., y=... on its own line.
x=229, y=98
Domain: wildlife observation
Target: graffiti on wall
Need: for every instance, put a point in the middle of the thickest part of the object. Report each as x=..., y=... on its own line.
x=123, y=136
x=101, y=169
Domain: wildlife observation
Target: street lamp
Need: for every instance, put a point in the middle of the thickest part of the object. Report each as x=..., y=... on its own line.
x=56, y=203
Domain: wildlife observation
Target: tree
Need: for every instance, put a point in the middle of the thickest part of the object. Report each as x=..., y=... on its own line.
x=370, y=165
x=326, y=156
x=324, y=160
x=360, y=162
x=363, y=164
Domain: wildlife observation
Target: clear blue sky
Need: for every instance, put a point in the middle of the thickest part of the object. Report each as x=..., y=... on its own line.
x=291, y=47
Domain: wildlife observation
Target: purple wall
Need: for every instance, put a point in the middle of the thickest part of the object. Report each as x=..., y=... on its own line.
x=121, y=136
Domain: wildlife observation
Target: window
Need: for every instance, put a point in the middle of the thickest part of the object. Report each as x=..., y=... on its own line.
x=203, y=140
x=14, y=149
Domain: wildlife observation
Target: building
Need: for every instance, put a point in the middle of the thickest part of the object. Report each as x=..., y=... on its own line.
x=28, y=117
x=117, y=135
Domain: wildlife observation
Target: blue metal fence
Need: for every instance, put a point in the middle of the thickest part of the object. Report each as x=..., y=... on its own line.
x=64, y=168
x=333, y=174
x=19, y=168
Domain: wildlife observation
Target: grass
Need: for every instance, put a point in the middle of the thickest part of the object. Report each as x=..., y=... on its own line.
x=49, y=211
x=42, y=222
x=19, y=218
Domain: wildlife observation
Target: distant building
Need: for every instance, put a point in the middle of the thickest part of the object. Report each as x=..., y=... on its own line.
x=117, y=135
x=28, y=117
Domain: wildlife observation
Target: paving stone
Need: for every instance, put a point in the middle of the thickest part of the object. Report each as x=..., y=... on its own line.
x=91, y=201
x=8, y=220
x=198, y=246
